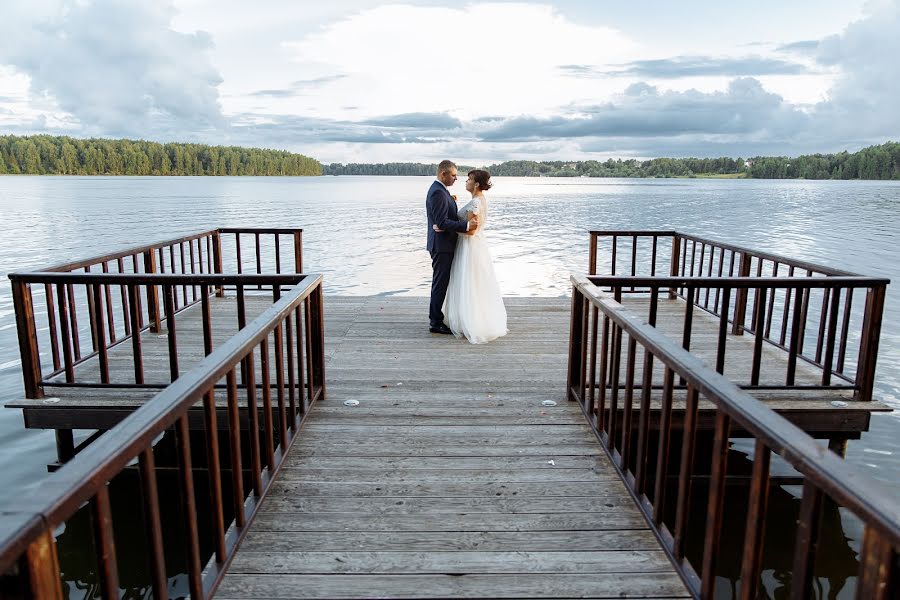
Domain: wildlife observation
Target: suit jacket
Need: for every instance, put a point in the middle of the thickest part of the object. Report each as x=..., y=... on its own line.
x=442, y=211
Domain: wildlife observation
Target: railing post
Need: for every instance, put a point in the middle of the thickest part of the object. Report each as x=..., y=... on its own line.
x=575, y=338
x=675, y=262
x=740, y=302
x=317, y=316
x=868, y=346
x=592, y=255
x=42, y=563
x=153, y=315
x=879, y=570
x=23, y=305
x=217, y=260
x=298, y=251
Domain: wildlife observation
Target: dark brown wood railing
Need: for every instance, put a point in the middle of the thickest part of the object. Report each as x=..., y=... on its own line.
x=289, y=337
x=81, y=318
x=627, y=408
x=809, y=311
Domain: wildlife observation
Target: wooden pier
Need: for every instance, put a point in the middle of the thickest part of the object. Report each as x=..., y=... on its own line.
x=450, y=478
x=555, y=462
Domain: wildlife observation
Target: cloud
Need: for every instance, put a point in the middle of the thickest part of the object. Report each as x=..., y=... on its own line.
x=804, y=47
x=297, y=88
x=117, y=67
x=417, y=120
x=862, y=105
x=691, y=66
x=745, y=108
x=291, y=130
x=401, y=58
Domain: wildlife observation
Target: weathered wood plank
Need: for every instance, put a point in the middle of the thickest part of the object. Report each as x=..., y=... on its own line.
x=611, y=498
x=445, y=490
x=454, y=563
x=387, y=541
x=594, y=585
x=424, y=523
x=548, y=451
x=498, y=463
x=451, y=476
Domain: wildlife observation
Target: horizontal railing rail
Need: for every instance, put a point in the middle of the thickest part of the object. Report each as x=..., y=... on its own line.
x=288, y=336
x=200, y=252
x=822, y=322
x=671, y=248
x=621, y=416
x=782, y=324
x=115, y=314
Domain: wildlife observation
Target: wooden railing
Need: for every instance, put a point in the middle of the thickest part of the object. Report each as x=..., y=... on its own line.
x=289, y=338
x=621, y=416
x=804, y=309
x=123, y=293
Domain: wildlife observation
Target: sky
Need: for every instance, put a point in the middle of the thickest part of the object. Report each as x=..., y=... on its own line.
x=478, y=82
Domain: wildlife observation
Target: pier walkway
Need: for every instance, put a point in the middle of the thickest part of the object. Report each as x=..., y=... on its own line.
x=450, y=477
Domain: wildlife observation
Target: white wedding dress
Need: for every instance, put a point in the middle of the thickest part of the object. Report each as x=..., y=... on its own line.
x=474, y=307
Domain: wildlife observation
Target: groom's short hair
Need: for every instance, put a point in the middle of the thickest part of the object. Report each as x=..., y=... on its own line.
x=445, y=166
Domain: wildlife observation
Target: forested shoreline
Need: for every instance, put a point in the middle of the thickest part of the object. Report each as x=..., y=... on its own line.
x=875, y=162
x=60, y=155
x=55, y=155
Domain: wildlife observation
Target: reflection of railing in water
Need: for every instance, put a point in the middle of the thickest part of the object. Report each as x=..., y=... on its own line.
x=781, y=301
x=825, y=475
x=27, y=546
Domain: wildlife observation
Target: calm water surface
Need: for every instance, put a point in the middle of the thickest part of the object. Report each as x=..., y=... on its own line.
x=367, y=236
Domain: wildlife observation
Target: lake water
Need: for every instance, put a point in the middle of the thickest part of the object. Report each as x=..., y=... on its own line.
x=367, y=235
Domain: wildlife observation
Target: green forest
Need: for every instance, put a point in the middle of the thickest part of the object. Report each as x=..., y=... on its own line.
x=53, y=155
x=875, y=162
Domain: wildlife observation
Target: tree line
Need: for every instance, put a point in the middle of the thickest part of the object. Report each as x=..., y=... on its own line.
x=394, y=168
x=874, y=162
x=57, y=155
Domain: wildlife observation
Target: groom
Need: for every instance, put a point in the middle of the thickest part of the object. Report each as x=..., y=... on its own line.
x=442, y=211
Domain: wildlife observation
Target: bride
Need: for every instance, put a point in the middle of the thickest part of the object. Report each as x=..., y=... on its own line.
x=474, y=307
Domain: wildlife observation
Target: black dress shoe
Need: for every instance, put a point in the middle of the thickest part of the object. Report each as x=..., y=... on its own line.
x=440, y=329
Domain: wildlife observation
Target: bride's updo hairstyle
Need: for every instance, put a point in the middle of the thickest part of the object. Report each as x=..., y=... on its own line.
x=482, y=178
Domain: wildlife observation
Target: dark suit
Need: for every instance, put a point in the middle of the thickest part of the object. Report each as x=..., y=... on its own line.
x=442, y=211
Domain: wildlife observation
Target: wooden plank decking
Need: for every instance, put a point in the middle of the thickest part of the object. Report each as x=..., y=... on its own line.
x=449, y=479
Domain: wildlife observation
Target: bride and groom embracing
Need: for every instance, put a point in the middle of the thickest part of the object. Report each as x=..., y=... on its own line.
x=464, y=287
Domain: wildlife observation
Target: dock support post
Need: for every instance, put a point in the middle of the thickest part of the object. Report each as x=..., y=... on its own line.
x=675, y=263
x=838, y=446
x=868, y=345
x=576, y=331
x=152, y=295
x=298, y=251
x=23, y=305
x=740, y=303
x=65, y=445
x=217, y=260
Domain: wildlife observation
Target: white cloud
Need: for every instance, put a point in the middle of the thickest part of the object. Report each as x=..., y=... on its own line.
x=481, y=58
x=863, y=103
x=116, y=67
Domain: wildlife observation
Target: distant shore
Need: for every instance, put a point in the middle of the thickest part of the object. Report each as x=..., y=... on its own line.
x=60, y=155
